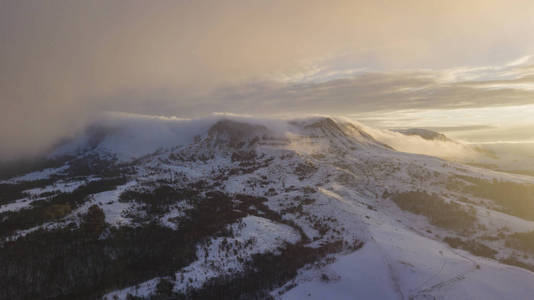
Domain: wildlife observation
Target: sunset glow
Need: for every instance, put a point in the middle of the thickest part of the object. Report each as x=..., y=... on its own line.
x=266, y=149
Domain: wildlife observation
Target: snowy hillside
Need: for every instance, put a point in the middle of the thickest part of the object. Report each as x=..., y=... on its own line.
x=229, y=208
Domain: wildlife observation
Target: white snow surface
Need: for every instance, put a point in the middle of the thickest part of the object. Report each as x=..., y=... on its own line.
x=43, y=174
x=109, y=202
x=403, y=256
x=261, y=234
x=399, y=260
x=399, y=264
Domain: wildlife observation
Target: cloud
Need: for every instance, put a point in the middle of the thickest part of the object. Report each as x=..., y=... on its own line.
x=367, y=92
x=64, y=62
x=507, y=155
x=451, y=150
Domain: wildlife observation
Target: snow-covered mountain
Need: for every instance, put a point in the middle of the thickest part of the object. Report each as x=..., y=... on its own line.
x=242, y=208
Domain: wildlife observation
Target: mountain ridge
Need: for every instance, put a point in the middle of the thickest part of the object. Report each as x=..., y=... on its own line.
x=263, y=208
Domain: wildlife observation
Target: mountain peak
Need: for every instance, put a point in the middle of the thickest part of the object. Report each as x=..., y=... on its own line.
x=325, y=122
x=322, y=126
x=237, y=134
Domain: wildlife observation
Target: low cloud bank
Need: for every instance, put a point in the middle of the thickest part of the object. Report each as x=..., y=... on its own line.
x=416, y=144
x=517, y=157
x=133, y=135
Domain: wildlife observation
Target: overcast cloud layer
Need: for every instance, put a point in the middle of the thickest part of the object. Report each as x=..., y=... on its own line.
x=62, y=63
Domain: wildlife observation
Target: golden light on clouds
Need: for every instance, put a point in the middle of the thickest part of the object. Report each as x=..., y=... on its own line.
x=64, y=62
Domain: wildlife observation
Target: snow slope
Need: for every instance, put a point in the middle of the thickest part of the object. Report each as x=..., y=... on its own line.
x=309, y=182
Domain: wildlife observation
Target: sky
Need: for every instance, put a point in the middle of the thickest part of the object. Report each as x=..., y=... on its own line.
x=463, y=67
